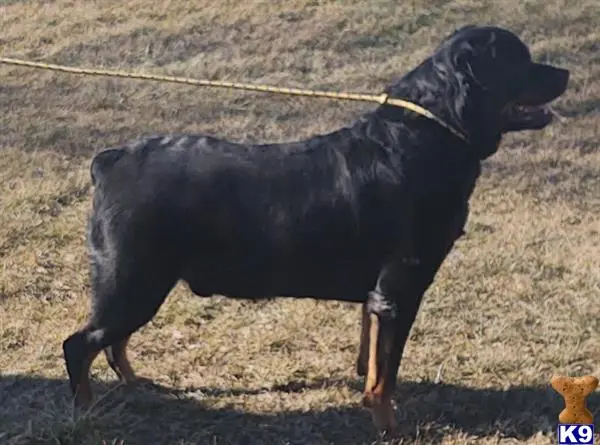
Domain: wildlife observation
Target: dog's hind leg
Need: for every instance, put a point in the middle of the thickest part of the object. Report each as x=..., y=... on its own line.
x=79, y=358
x=116, y=314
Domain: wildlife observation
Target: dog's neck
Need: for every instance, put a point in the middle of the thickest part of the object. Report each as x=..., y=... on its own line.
x=425, y=87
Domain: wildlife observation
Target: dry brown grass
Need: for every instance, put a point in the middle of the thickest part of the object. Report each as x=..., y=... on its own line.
x=516, y=302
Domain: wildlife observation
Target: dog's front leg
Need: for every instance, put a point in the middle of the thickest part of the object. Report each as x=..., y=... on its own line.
x=389, y=314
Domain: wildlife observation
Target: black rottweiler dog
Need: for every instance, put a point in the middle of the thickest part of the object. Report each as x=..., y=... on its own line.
x=365, y=214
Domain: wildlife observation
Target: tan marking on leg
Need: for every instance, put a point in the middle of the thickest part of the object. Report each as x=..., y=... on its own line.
x=382, y=410
x=380, y=384
x=372, y=371
x=370, y=398
x=116, y=355
x=83, y=394
x=127, y=374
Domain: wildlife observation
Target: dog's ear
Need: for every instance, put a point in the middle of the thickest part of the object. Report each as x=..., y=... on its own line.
x=451, y=70
x=470, y=60
x=470, y=53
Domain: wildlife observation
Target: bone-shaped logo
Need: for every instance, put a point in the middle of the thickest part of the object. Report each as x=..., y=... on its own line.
x=575, y=390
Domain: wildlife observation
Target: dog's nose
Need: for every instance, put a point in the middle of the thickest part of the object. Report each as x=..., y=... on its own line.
x=552, y=80
x=560, y=78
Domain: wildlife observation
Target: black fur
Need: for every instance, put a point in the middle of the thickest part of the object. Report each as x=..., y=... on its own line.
x=366, y=212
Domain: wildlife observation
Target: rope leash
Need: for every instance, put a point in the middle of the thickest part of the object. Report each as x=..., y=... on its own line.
x=381, y=99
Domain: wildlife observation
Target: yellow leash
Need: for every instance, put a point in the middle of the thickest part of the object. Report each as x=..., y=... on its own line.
x=380, y=99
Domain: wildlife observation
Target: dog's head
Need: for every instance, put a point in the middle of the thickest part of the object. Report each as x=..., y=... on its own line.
x=495, y=85
x=483, y=80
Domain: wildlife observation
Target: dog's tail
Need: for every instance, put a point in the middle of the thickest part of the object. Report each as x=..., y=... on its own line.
x=103, y=162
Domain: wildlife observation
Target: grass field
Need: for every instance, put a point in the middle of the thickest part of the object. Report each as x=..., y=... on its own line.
x=515, y=302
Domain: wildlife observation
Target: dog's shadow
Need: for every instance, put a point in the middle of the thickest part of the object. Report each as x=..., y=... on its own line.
x=37, y=410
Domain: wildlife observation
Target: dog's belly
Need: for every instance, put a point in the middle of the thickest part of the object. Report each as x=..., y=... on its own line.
x=325, y=279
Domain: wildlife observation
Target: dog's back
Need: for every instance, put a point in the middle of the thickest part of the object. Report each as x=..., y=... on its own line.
x=310, y=218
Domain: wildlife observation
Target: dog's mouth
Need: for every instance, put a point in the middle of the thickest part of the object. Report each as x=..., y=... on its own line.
x=528, y=117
